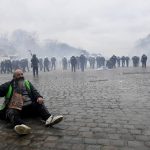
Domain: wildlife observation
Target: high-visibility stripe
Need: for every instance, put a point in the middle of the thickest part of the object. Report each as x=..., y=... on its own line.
x=27, y=84
x=9, y=92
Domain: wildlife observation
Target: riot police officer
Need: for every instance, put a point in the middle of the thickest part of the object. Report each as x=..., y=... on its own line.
x=34, y=64
x=143, y=60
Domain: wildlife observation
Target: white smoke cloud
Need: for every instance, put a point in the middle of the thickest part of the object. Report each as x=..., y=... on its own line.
x=99, y=25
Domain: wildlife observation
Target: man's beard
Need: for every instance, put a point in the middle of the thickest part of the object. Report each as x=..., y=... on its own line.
x=19, y=82
x=19, y=79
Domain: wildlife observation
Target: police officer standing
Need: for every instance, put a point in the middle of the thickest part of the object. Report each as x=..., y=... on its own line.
x=82, y=62
x=118, y=61
x=3, y=69
x=41, y=64
x=46, y=64
x=34, y=65
x=123, y=59
x=73, y=62
x=143, y=60
x=64, y=63
x=127, y=61
x=53, y=61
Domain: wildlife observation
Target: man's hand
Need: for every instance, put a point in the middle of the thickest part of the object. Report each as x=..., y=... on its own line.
x=40, y=100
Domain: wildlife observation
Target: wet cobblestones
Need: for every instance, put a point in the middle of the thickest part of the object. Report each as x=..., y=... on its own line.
x=103, y=110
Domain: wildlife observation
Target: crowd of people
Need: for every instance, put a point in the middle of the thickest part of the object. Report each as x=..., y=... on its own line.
x=74, y=63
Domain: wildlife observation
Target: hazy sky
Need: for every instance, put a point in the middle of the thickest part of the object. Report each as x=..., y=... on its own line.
x=106, y=26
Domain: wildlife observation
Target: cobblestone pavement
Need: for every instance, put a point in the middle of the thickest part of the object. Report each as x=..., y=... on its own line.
x=103, y=110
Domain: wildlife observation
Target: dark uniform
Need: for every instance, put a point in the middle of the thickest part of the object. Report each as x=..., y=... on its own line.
x=144, y=60
x=64, y=63
x=46, y=64
x=34, y=65
x=82, y=62
x=127, y=61
x=8, y=66
x=15, y=64
x=53, y=61
x=78, y=62
x=73, y=62
x=123, y=59
x=118, y=61
x=24, y=64
x=109, y=64
x=92, y=62
x=135, y=60
x=85, y=64
x=41, y=64
x=102, y=61
x=113, y=60
x=3, y=69
x=98, y=61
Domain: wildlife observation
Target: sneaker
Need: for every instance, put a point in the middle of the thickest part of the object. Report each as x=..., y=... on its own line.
x=22, y=129
x=53, y=120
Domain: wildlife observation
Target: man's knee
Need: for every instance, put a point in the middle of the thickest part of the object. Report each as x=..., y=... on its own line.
x=38, y=106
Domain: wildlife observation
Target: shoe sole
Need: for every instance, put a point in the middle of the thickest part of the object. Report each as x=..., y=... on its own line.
x=22, y=130
x=56, y=121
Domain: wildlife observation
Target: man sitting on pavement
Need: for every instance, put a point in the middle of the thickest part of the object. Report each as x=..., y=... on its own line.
x=21, y=98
